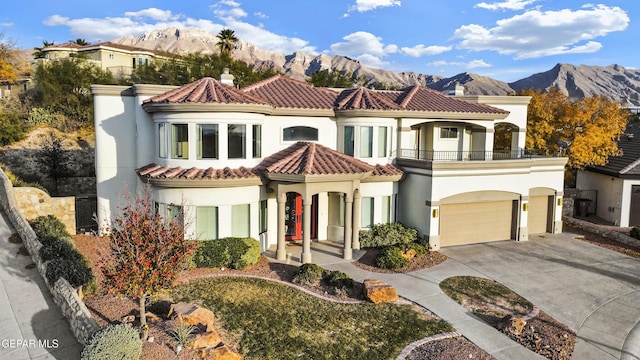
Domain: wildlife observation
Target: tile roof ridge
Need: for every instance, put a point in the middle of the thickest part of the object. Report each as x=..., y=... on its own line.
x=261, y=83
x=408, y=95
x=629, y=167
x=311, y=153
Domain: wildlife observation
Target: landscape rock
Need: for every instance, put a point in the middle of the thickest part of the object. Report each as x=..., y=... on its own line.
x=194, y=315
x=512, y=324
x=220, y=353
x=409, y=254
x=379, y=291
x=209, y=339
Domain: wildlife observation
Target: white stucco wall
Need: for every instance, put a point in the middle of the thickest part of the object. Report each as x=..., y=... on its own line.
x=610, y=197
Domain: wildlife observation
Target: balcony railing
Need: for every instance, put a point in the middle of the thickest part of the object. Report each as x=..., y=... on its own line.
x=433, y=155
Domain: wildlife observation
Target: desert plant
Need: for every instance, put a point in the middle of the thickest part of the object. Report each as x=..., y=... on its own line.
x=47, y=227
x=12, y=128
x=391, y=258
x=114, y=342
x=308, y=274
x=183, y=332
x=338, y=279
x=231, y=252
x=386, y=235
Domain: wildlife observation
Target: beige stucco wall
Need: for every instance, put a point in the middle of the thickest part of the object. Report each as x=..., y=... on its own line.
x=34, y=202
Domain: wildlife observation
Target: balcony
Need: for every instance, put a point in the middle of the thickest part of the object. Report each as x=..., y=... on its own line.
x=433, y=155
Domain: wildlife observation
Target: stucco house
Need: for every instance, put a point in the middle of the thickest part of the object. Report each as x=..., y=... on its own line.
x=119, y=59
x=283, y=161
x=617, y=184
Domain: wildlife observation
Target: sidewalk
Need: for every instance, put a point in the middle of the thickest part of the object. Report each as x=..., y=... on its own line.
x=31, y=324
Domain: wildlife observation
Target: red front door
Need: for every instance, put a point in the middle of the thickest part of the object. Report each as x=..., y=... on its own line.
x=293, y=217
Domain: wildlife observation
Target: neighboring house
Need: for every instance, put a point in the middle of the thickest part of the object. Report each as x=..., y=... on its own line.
x=618, y=182
x=282, y=160
x=13, y=88
x=120, y=60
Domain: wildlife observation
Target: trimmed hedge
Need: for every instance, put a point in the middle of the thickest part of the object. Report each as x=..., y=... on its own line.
x=231, y=252
x=391, y=258
x=308, y=274
x=338, y=279
x=114, y=342
x=635, y=232
x=387, y=235
x=48, y=227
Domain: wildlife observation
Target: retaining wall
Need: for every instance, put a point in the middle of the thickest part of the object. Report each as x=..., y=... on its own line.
x=80, y=319
x=33, y=202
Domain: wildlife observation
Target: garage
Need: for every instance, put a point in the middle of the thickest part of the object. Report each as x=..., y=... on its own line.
x=477, y=222
x=538, y=221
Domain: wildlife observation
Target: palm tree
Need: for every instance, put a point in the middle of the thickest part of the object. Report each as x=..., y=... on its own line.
x=226, y=41
x=38, y=53
x=81, y=42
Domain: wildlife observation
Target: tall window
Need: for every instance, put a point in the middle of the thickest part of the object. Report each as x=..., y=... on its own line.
x=300, y=133
x=382, y=141
x=348, y=140
x=366, y=141
x=237, y=135
x=162, y=140
x=240, y=220
x=208, y=141
x=366, y=212
x=175, y=213
x=180, y=141
x=257, y=141
x=207, y=222
x=263, y=216
x=386, y=209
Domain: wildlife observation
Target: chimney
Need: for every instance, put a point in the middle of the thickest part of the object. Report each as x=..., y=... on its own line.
x=458, y=90
x=225, y=77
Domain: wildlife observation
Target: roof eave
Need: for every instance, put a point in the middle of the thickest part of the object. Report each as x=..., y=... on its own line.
x=202, y=183
x=207, y=107
x=302, y=178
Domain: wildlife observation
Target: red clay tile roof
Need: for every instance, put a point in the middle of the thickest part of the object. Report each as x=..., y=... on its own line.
x=284, y=92
x=205, y=90
x=420, y=98
x=306, y=158
x=364, y=99
x=387, y=170
x=155, y=171
x=68, y=44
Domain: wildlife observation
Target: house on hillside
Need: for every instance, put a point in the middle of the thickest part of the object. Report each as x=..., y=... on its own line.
x=120, y=60
x=284, y=161
x=617, y=184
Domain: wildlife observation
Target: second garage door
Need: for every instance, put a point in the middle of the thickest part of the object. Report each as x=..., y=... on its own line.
x=538, y=214
x=469, y=223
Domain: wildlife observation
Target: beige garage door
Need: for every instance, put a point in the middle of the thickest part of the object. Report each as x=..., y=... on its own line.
x=538, y=214
x=470, y=223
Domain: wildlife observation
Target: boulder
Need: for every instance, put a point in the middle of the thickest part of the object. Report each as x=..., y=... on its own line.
x=409, y=254
x=512, y=324
x=208, y=339
x=220, y=353
x=151, y=317
x=194, y=315
x=379, y=291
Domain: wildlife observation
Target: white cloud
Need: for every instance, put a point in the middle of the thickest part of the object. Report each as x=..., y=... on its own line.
x=365, y=47
x=536, y=33
x=6, y=24
x=369, y=5
x=473, y=64
x=421, y=50
x=153, y=14
x=505, y=5
x=260, y=15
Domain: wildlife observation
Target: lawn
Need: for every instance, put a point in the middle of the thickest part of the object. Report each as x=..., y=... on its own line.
x=268, y=320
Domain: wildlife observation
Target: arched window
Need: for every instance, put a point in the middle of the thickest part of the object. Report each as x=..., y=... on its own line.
x=298, y=133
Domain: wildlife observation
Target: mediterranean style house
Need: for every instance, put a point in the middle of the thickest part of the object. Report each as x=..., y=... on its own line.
x=284, y=161
x=120, y=60
x=616, y=185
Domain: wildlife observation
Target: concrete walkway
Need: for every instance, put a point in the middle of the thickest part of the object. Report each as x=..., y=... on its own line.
x=31, y=324
x=594, y=291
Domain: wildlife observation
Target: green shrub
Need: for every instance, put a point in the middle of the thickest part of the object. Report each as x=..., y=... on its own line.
x=114, y=342
x=387, y=235
x=391, y=258
x=75, y=270
x=234, y=253
x=419, y=248
x=635, y=232
x=12, y=128
x=17, y=182
x=308, y=274
x=338, y=279
x=55, y=248
x=47, y=227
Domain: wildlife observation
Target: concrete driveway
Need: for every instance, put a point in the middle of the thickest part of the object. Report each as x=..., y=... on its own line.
x=592, y=290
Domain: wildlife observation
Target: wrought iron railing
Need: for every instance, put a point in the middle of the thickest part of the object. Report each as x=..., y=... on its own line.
x=434, y=155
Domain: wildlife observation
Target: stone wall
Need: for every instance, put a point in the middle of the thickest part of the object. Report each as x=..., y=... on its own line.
x=33, y=202
x=609, y=232
x=82, y=323
x=568, y=201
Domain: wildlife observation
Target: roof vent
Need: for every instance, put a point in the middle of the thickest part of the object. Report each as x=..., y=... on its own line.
x=458, y=90
x=629, y=136
x=225, y=77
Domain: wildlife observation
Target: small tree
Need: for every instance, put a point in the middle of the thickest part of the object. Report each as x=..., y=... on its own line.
x=147, y=252
x=55, y=160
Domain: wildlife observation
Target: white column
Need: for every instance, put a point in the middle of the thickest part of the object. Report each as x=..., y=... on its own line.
x=281, y=252
x=356, y=221
x=306, y=230
x=348, y=209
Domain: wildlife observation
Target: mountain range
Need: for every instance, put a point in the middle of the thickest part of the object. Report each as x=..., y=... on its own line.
x=614, y=81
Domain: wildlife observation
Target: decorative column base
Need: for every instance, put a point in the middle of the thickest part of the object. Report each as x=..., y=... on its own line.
x=306, y=257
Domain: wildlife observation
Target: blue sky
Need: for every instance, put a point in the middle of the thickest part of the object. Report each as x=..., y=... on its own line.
x=503, y=39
